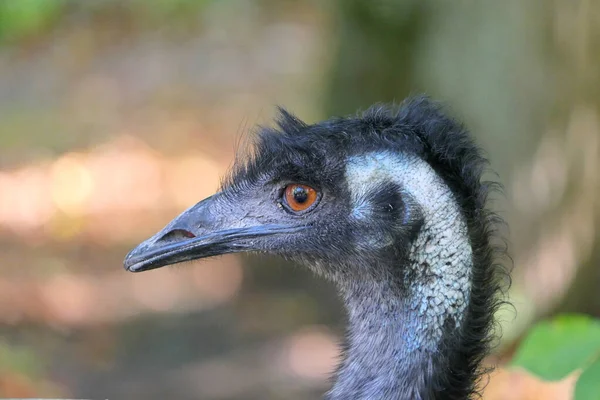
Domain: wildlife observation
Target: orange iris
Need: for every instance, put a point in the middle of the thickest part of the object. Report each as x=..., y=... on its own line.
x=300, y=197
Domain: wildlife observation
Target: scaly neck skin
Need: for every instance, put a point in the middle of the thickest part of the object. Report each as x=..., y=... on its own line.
x=397, y=323
x=393, y=346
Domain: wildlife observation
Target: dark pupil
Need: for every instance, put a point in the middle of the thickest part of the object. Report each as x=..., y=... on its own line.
x=300, y=194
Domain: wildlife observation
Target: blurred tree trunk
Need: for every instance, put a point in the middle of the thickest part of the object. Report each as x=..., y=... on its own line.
x=376, y=46
x=580, y=84
x=518, y=71
x=583, y=295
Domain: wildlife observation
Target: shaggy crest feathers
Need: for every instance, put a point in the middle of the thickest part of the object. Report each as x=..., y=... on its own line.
x=418, y=127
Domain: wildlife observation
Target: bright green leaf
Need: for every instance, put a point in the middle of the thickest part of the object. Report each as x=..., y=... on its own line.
x=588, y=384
x=553, y=349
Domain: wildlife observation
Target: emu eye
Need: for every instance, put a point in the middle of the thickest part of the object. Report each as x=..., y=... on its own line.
x=299, y=197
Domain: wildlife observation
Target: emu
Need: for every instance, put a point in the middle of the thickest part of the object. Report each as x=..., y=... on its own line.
x=391, y=207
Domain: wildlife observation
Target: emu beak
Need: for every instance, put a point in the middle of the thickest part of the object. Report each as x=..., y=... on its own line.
x=209, y=228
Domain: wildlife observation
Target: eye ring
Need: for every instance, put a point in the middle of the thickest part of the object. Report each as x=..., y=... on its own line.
x=299, y=198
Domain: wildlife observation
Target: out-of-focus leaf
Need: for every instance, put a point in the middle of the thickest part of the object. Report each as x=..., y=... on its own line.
x=22, y=17
x=588, y=385
x=553, y=349
x=18, y=359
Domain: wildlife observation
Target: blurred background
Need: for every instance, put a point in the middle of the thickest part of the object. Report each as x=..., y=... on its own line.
x=117, y=115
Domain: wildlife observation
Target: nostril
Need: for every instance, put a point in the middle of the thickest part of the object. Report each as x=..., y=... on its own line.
x=177, y=234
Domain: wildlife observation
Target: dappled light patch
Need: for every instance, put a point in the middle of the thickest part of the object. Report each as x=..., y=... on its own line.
x=518, y=384
x=70, y=300
x=82, y=193
x=311, y=353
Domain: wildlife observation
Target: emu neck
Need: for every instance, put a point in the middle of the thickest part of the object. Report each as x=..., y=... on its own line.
x=381, y=359
x=400, y=321
x=394, y=347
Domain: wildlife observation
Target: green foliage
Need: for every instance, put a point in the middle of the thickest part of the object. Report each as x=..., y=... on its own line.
x=20, y=18
x=554, y=349
x=588, y=384
x=18, y=359
x=23, y=18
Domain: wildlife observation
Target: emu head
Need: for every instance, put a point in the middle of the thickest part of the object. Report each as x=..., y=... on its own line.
x=390, y=206
x=343, y=197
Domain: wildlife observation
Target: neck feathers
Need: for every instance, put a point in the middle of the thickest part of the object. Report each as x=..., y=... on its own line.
x=437, y=268
x=422, y=331
x=398, y=324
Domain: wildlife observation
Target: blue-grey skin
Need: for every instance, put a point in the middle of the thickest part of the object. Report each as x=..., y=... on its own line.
x=399, y=225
